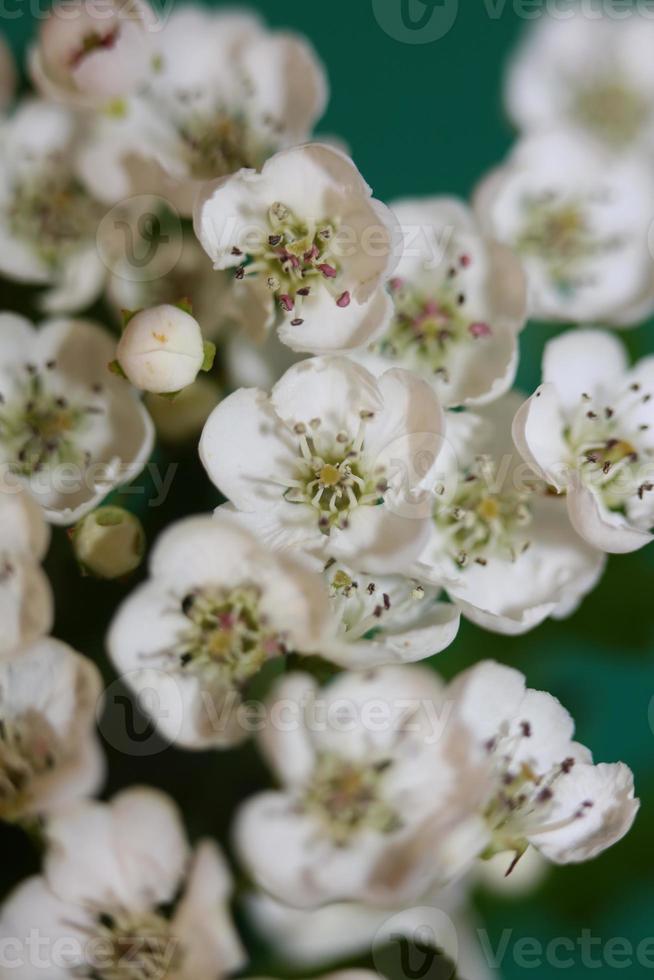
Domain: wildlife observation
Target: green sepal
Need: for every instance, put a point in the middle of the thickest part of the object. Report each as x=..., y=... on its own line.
x=184, y=304
x=209, y=355
x=126, y=316
x=116, y=369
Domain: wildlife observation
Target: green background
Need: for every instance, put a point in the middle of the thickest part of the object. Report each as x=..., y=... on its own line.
x=424, y=119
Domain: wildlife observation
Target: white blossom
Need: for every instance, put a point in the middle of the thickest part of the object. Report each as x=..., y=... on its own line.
x=330, y=461
x=121, y=890
x=500, y=544
x=358, y=766
x=522, y=780
x=459, y=304
x=588, y=430
x=89, y=52
x=385, y=619
x=216, y=609
x=69, y=429
x=579, y=220
x=593, y=74
x=48, y=221
x=226, y=94
x=49, y=753
x=308, y=227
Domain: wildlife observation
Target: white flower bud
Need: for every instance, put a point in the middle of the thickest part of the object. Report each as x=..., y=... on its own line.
x=161, y=349
x=92, y=51
x=183, y=417
x=109, y=542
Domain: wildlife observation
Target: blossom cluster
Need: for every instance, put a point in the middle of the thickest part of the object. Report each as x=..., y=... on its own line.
x=346, y=368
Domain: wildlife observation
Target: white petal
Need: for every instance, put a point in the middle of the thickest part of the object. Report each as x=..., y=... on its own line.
x=434, y=632
x=328, y=328
x=247, y=452
x=602, y=528
x=610, y=789
x=583, y=361
x=202, y=923
x=538, y=434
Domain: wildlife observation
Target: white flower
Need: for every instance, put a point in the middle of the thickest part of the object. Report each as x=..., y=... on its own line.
x=216, y=609
x=110, y=894
x=593, y=74
x=69, y=429
x=459, y=304
x=385, y=619
x=89, y=52
x=589, y=430
x=161, y=349
x=358, y=766
x=26, y=605
x=226, y=94
x=49, y=753
x=579, y=221
x=48, y=221
x=331, y=461
x=7, y=75
x=522, y=780
x=307, y=226
x=500, y=544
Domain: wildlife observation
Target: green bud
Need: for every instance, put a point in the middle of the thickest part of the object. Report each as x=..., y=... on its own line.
x=109, y=542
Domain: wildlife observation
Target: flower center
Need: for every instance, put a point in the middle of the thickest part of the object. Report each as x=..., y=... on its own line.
x=227, y=634
x=219, y=144
x=362, y=606
x=347, y=797
x=332, y=475
x=559, y=233
x=53, y=214
x=484, y=519
x=616, y=111
x=425, y=328
x=28, y=749
x=522, y=800
x=39, y=428
x=607, y=445
x=125, y=946
x=293, y=258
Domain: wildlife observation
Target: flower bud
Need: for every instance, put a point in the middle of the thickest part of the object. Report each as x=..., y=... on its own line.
x=183, y=418
x=92, y=51
x=161, y=349
x=109, y=542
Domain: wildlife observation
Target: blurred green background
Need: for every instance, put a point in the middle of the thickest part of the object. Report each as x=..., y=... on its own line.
x=424, y=118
